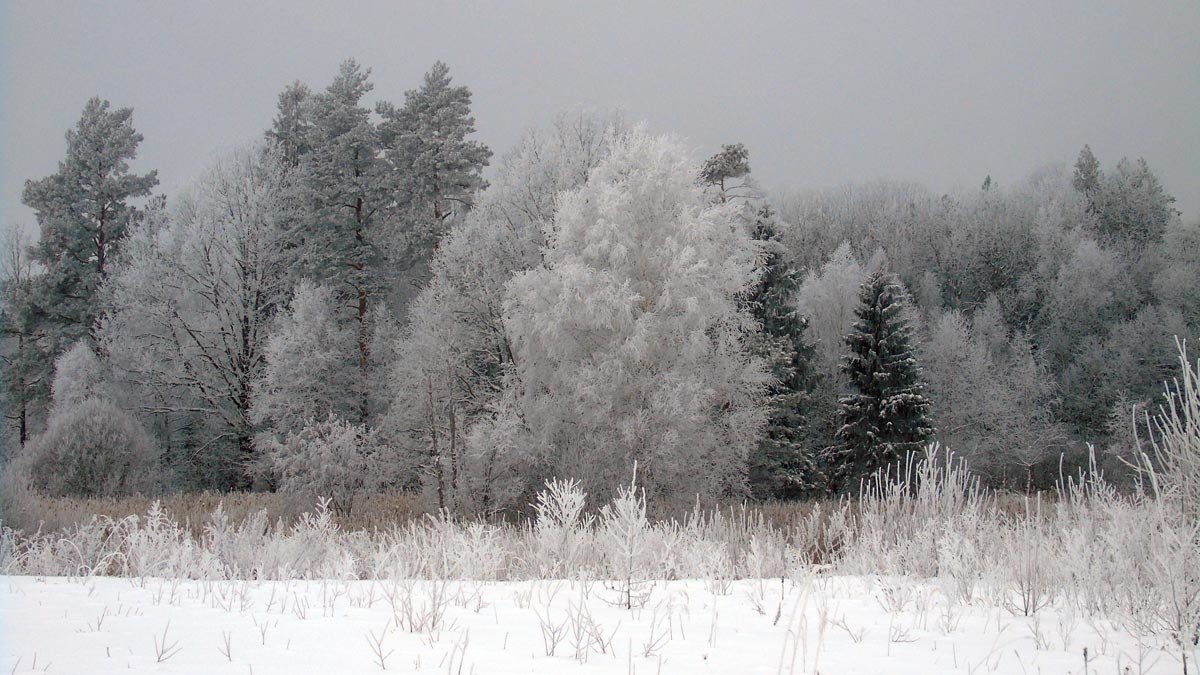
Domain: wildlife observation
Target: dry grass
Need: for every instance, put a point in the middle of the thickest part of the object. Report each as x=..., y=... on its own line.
x=31, y=512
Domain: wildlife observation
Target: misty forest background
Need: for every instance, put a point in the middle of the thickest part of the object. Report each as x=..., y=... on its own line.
x=348, y=307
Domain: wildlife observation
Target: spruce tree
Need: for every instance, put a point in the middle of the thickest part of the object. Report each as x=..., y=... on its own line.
x=886, y=415
x=782, y=466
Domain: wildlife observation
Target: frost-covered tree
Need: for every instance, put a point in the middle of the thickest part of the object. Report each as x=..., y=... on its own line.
x=1130, y=362
x=26, y=372
x=328, y=458
x=827, y=298
x=732, y=162
x=78, y=376
x=886, y=415
x=897, y=217
x=1091, y=292
x=1175, y=281
x=991, y=398
x=1087, y=176
x=437, y=169
x=629, y=341
x=84, y=210
x=345, y=194
x=1130, y=208
x=191, y=304
x=290, y=128
x=782, y=465
x=306, y=375
x=90, y=448
x=452, y=354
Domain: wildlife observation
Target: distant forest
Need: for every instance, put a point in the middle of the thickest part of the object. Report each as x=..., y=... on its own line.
x=358, y=303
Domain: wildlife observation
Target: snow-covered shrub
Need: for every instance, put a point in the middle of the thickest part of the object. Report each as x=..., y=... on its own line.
x=331, y=458
x=625, y=533
x=1174, y=469
x=562, y=531
x=90, y=449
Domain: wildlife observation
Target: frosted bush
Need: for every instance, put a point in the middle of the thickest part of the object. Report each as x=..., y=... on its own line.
x=561, y=529
x=1093, y=551
x=331, y=459
x=625, y=536
x=92, y=449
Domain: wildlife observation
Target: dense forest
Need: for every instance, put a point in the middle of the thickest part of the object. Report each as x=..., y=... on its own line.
x=367, y=299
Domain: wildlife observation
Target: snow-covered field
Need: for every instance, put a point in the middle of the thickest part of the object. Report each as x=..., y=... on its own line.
x=816, y=623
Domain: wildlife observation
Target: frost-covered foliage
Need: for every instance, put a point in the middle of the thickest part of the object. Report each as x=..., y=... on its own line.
x=452, y=354
x=827, y=297
x=190, y=306
x=330, y=458
x=78, y=376
x=628, y=342
x=990, y=397
x=306, y=375
x=92, y=448
x=1130, y=208
x=885, y=417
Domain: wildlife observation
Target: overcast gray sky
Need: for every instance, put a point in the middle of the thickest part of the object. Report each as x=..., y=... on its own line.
x=822, y=93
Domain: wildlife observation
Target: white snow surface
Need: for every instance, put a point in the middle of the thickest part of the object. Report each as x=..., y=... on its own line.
x=825, y=624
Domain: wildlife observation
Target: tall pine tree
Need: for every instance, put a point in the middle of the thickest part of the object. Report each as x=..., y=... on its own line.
x=83, y=211
x=344, y=187
x=886, y=415
x=437, y=170
x=782, y=465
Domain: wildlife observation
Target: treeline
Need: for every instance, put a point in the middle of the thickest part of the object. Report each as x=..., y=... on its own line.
x=349, y=306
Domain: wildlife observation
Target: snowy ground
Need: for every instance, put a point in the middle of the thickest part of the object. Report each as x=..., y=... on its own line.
x=838, y=625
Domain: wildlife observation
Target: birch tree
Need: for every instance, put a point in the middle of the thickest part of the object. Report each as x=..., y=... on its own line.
x=628, y=341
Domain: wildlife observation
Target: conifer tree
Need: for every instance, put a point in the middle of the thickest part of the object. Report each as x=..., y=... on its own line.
x=886, y=415
x=436, y=169
x=347, y=224
x=733, y=161
x=290, y=128
x=26, y=373
x=781, y=466
x=83, y=211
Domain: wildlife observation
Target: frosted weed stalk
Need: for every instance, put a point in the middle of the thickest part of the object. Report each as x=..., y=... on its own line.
x=1170, y=474
x=1125, y=559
